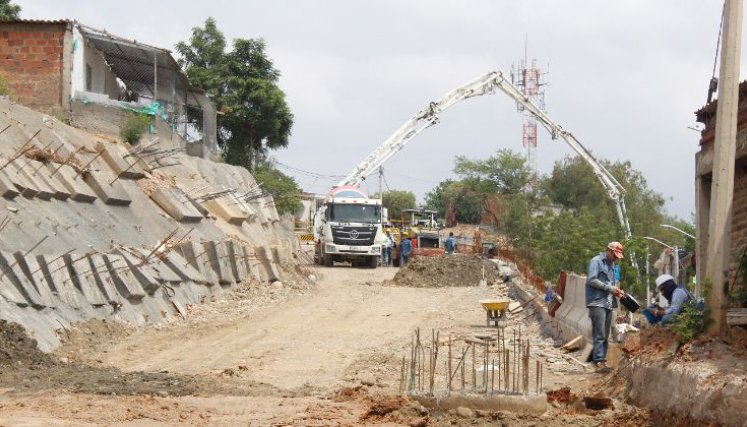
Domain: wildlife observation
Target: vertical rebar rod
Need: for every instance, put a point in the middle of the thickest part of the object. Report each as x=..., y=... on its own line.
x=537, y=381
x=485, y=369
x=474, y=366
x=462, y=367
x=402, y=377
x=448, y=364
x=492, y=377
x=506, y=370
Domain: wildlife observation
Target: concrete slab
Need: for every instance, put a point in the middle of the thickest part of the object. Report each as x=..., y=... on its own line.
x=198, y=258
x=124, y=280
x=263, y=255
x=226, y=210
x=37, y=171
x=14, y=274
x=44, y=190
x=7, y=188
x=236, y=255
x=23, y=184
x=82, y=277
x=109, y=191
x=100, y=273
x=32, y=270
x=181, y=267
x=219, y=262
x=56, y=273
x=254, y=265
x=125, y=168
x=163, y=272
x=142, y=272
x=176, y=204
x=80, y=192
x=9, y=291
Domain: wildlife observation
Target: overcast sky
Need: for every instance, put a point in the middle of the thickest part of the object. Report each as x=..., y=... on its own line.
x=624, y=77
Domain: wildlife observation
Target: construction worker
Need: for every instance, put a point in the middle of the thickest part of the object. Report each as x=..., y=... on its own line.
x=388, y=245
x=405, y=247
x=600, y=293
x=677, y=296
x=450, y=244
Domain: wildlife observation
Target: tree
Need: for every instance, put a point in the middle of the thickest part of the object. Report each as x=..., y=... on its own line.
x=506, y=171
x=396, y=201
x=254, y=116
x=283, y=188
x=9, y=11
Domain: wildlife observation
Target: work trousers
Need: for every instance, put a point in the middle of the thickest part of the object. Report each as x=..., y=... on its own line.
x=387, y=257
x=601, y=321
x=403, y=259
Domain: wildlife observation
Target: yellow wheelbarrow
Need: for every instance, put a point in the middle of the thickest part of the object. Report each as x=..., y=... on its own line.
x=495, y=309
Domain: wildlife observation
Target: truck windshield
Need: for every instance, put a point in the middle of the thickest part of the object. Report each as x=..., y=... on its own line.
x=368, y=214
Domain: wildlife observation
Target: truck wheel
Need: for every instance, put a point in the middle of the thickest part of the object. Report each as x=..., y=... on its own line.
x=373, y=262
x=328, y=260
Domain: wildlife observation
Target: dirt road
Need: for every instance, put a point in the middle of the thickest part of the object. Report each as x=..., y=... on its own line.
x=285, y=355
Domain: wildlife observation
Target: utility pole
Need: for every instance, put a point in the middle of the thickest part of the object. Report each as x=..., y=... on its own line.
x=722, y=186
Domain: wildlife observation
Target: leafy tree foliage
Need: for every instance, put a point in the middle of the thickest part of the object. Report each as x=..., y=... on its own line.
x=9, y=11
x=506, y=171
x=396, y=201
x=283, y=188
x=254, y=116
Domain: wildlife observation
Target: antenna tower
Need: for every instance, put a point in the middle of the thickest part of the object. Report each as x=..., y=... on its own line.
x=531, y=81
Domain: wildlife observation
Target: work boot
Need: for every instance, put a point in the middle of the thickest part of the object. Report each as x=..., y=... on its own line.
x=601, y=367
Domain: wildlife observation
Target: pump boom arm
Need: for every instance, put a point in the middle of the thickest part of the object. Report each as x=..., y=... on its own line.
x=488, y=84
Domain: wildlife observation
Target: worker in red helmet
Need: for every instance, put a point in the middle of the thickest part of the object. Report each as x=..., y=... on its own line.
x=600, y=300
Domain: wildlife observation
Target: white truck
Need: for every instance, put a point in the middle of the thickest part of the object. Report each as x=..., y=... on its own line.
x=347, y=227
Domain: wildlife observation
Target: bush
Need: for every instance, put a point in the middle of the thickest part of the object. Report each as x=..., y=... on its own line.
x=135, y=125
x=690, y=323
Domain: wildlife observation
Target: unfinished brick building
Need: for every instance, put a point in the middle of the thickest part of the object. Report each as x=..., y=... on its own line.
x=703, y=174
x=93, y=79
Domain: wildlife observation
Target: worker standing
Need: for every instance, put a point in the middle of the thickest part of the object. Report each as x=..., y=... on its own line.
x=405, y=247
x=600, y=293
x=450, y=244
x=388, y=245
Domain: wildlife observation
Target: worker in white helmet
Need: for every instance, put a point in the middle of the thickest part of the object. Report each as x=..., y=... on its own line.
x=677, y=296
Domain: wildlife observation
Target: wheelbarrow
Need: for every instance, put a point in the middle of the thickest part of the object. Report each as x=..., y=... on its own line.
x=495, y=310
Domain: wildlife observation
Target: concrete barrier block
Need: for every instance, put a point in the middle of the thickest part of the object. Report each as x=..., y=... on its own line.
x=163, y=272
x=124, y=167
x=66, y=175
x=182, y=268
x=9, y=291
x=254, y=265
x=236, y=255
x=7, y=188
x=32, y=270
x=198, y=258
x=12, y=271
x=109, y=191
x=126, y=283
x=219, y=262
x=23, y=184
x=176, y=204
x=56, y=273
x=142, y=272
x=264, y=257
x=100, y=274
x=82, y=277
x=37, y=171
x=226, y=210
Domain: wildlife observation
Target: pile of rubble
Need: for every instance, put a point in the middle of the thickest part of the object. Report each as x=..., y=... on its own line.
x=446, y=271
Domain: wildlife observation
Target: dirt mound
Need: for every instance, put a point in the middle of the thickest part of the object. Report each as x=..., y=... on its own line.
x=446, y=271
x=16, y=348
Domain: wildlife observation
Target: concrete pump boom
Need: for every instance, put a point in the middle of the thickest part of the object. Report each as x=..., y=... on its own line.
x=489, y=84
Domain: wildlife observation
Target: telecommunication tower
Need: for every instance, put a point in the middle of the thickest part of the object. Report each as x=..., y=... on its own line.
x=531, y=81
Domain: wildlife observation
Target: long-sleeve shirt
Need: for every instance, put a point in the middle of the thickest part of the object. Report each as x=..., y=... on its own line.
x=599, y=279
x=679, y=297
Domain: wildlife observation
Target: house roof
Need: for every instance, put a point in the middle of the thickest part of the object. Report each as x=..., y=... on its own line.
x=35, y=21
x=135, y=62
x=709, y=110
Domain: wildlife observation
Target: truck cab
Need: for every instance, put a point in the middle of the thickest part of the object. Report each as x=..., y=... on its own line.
x=347, y=228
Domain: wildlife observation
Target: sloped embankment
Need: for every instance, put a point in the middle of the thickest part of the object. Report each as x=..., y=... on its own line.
x=97, y=229
x=445, y=271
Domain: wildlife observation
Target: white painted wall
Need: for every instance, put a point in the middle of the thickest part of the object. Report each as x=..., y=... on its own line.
x=103, y=80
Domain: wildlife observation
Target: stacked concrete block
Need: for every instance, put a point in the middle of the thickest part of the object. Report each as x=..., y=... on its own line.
x=122, y=167
x=7, y=189
x=182, y=268
x=198, y=258
x=82, y=277
x=240, y=272
x=227, y=210
x=36, y=170
x=100, y=274
x=121, y=275
x=9, y=292
x=12, y=271
x=80, y=192
x=263, y=255
x=32, y=270
x=107, y=189
x=220, y=261
x=176, y=204
x=57, y=275
x=163, y=272
x=25, y=186
x=141, y=271
x=254, y=265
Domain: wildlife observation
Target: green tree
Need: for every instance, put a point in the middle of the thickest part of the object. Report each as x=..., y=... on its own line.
x=9, y=11
x=462, y=196
x=396, y=201
x=506, y=171
x=254, y=116
x=283, y=188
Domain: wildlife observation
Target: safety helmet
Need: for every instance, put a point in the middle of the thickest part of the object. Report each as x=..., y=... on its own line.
x=664, y=278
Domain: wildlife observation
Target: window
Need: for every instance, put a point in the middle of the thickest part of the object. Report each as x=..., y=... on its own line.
x=89, y=79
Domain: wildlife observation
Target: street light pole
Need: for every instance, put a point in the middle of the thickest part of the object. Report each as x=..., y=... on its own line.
x=677, y=229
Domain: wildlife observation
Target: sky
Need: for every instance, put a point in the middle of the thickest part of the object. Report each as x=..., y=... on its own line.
x=624, y=77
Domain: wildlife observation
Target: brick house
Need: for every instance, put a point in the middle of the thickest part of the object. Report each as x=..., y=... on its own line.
x=93, y=79
x=703, y=177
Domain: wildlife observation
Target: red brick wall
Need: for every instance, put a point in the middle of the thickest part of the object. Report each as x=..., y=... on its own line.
x=31, y=62
x=739, y=211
